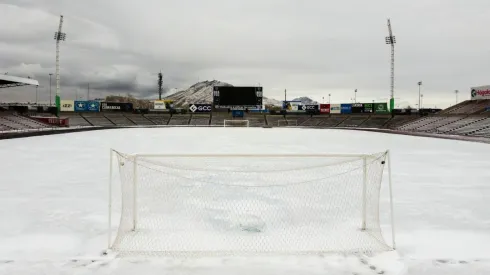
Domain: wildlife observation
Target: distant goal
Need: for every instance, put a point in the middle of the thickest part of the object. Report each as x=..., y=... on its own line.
x=247, y=204
x=236, y=123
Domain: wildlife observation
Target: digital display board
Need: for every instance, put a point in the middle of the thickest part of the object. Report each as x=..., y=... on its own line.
x=229, y=96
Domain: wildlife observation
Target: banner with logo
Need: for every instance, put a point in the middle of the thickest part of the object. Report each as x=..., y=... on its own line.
x=67, y=105
x=325, y=108
x=200, y=108
x=367, y=107
x=291, y=105
x=335, y=109
x=381, y=107
x=93, y=106
x=307, y=108
x=482, y=92
x=159, y=105
x=356, y=108
x=346, y=108
x=81, y=106
x=116, y=107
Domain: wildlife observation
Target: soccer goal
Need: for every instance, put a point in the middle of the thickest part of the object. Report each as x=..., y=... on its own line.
x=236, y=123
x=248, y=204
x=282, y=123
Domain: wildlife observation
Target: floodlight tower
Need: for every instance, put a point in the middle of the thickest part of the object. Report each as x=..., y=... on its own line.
x=58, y=36
x=391, y=40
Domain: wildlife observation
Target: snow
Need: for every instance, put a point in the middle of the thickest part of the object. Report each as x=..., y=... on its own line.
x=53, y=202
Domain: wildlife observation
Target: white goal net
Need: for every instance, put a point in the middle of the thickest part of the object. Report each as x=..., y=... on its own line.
x=249, y=204
x=235, y=123
x=287, y=123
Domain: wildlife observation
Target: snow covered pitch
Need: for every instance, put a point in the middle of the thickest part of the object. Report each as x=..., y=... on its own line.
x=53, y=202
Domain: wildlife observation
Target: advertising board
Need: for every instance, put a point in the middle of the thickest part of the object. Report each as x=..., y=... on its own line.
x=324, y=108
x=116, y=107
x=367, y=107
x=345, y=108
x=381, y=107
x=481, y=92
x=335, y=108
x=200, y=108
x=356, y=108
x=67, y=105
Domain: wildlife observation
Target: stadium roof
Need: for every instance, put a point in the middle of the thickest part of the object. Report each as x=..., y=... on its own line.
x=7, y=81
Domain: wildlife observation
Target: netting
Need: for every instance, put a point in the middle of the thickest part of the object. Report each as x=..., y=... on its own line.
x=249, y=204
x=236, y=123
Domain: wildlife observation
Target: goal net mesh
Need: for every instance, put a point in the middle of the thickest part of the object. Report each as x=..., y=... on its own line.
x=236, y=123
x=249, y=204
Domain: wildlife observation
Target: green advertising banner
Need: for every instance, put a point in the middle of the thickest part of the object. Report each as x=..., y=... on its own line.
x=380, y=107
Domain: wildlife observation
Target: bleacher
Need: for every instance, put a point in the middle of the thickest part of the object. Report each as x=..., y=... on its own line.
x=314, y=121
x=418, y=123
x=179, y=120
x=139, y=119
x=255, y=120
x=455, y=125
x=485, y=132
x=199, y=119
x=470, y=107
x=332, y=121
x=218, y=118
x=15, y=122
x=272, y=120
x=75, y=119
x=299, y=119
x=376, y=122
x=477, y=125
x=158, y=119
x=118, y=119
x=353, y=121
x=97, y=119
x=435, y=122
x=398, y=121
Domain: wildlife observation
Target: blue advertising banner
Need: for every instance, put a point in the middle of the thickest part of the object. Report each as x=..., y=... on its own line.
x=345, y=108
x=93, y=106
x=81, y=106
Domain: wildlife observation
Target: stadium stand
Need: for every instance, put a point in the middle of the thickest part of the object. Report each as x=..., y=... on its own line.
x=300, y=119
x=118, y=119
x=255, y=120
x=97, y=119
x=480, y=123
x=139, y=119
x=17, y=122
x=418, y=123
x=199, y=119
x=468, y=107
x=179, y=120
x=456, y=125
x=332, y=121
x=272, y=120
x=439, y=123
x=353, y=121
x=376, y=122
x=219, y=117
x=76, y=120
x=158, y=119
x=485, y=132
x=314, y=121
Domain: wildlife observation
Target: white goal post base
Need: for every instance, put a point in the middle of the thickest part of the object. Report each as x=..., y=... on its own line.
x=218, y=204
x=235, y=123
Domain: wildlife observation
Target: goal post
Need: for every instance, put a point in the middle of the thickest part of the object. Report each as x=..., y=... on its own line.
x=184, y=204
x=235, y=123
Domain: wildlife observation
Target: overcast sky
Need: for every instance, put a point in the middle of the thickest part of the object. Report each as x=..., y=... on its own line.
x=311, y=48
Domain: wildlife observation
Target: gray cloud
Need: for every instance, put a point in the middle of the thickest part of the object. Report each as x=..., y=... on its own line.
x=312, y=48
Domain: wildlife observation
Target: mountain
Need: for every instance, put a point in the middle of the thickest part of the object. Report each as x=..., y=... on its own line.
x=202, y=92
x=305, y=100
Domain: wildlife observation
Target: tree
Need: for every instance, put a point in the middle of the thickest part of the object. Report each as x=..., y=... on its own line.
x=160, y=85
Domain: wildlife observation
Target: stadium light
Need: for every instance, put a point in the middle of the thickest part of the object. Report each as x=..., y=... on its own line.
x=58, y=36
x=420, y=85
x=456, y=92
x=391, y=40
x=329, y=98
x=50, y=89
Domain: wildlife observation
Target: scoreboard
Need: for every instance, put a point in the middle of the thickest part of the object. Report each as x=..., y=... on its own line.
x=232, y=97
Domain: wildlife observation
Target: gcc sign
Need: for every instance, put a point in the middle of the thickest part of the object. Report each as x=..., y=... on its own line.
x=200, y=108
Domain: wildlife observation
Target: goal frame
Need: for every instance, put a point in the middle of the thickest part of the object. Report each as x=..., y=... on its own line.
x=241, y=120
x=135, y=157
